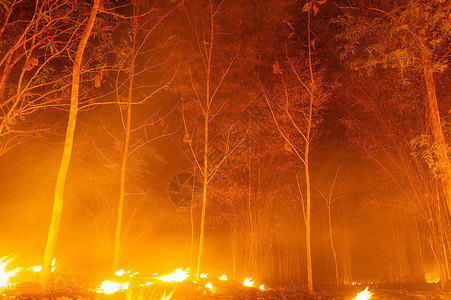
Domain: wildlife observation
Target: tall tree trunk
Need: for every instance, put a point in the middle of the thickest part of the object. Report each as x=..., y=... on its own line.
x=332, y=245
x=306, y=164
x=208, y=101
x=68, y=144
x=204, y=195
x=125, y=150
x=437, y=133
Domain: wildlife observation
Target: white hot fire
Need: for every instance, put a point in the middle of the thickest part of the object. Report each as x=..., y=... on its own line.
x=364, y=295
x=177, y=276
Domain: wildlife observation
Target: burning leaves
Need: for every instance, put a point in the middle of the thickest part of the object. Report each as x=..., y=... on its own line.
x=128, y=284
x=132, y=283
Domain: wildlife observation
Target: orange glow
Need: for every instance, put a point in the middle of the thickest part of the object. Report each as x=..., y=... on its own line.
x=248, y=282
x=223, y=277
x=432, y=280
x=432, y=276
x=6, y=275
x=177, y=276
x=363, y=295
x=110, y=287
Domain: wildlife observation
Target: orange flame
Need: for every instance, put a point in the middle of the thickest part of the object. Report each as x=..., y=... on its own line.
x=209, y=286
x=364, y=295
x=248, y=282
x=177, y=276
x=5, y=276
x=110, y=287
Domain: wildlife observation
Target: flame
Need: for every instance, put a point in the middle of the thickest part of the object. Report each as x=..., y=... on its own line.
x=110, y=287
x=6, y=275
x=223, y=277
x=209, y=286
x=262, y=287
x=35, y=268
x=177, y=276
x=120, y=272
x=432, y=280
x=248, y=282
x=53, y=264
x=363, y=295
x=203, y=275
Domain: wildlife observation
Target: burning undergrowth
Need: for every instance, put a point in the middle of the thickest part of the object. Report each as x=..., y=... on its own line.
x=21, y=283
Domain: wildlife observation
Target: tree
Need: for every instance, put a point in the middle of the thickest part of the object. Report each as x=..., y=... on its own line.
x=412, y=39
x=329, y=202
x=300, y=114
x=206, y=77
x=406, y=45
x=136, y=48
x=33, y=36
x=62, y=173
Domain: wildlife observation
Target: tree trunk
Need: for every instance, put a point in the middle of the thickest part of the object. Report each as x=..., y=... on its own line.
x=117, y=236
x=208, y=101
x=332, y=246
x=308, y=245
x=68, y=144
x=437, y=133
x=306, y=165
x=204, y=199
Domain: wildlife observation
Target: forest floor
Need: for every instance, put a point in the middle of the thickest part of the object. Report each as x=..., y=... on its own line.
x=81, y=286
